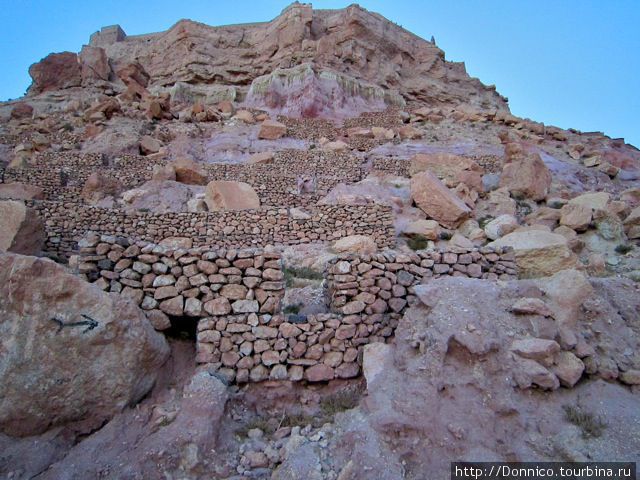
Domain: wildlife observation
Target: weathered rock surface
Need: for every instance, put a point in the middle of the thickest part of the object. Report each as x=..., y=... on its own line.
x=20, y=191
x=99, y=186
x=355, y=244
x=406, y=66
x=528, y=176
x=538, y=253
x=21, y=229
x=435, y=199
x=72, y=352
x=54, y=72
x=189, y=171
x=229, y=195
x=449, y=168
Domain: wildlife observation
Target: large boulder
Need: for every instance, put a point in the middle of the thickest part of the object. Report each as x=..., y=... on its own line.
x=437, y=201
x=149, y=145
x=94, y=65
x=70, y=351
x=429, y=229
x=135, y=77
x=55, y=72
x=189, y=172
x=98, y=186
x=362, y=244
x=449, y=168
x=527, y=175
x=632, y=224
x=20, y=191
x=272, y=130
x=593, y=200
x=223, y=195
x=538, y=253
x=21, y=229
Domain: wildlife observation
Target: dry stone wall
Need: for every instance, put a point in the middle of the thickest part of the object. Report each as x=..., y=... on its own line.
x=66, y=223
x=62, y=175
x=253, y=348
x=235, y=295
x=276, y=182
x=179, y=282
x=374, y=285
x=401, y=166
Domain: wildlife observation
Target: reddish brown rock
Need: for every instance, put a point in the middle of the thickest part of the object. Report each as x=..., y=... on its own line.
x=272, y=130
x=451, y=169
x=528, y=176
x=21, y=229
x=189, y=172
x=94, y=65
x=56, y=71
x=87, y=372
x=435, y=199
x=319, y=373
x=22, y=111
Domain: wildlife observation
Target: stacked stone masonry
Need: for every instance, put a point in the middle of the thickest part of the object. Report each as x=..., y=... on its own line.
x=235, y=295
x=401, y=166
x=192, y=282
x=66, y=223
x=374, y=285
x=253, y=347
x=62, y=175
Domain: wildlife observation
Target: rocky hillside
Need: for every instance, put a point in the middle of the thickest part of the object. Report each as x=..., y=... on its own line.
x=309, y=248
x=304, y=62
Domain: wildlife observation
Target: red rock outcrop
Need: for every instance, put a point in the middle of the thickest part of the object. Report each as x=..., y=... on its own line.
x=55, y=72
x=305, y=63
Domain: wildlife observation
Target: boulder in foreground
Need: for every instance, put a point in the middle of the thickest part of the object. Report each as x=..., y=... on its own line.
x=71, y=352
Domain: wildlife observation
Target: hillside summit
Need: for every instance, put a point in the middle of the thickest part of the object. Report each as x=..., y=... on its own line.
x=309, y=248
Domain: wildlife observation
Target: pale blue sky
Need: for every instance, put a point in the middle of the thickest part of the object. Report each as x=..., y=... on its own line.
x=571, y=63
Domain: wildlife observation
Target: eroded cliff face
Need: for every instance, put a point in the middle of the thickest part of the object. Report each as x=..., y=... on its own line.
x=350, y=57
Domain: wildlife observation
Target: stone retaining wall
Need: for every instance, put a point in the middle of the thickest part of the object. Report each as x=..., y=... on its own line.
x=66, y=223
x=62, y=175
x=400, y=166
x=253, y=348
x=371, y=285
x=236, y=297
x=179, y=282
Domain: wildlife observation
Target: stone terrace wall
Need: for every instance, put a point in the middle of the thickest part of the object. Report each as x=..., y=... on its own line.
x=371, y=285
x=253, y=348
x=66, y=223
x=62, y=175
x=400, y=167
x=236, y=296
x=275, y=183
x=193, y=282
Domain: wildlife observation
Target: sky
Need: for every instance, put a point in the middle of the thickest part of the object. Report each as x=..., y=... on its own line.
x=569, y=63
